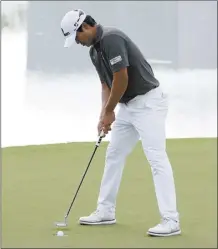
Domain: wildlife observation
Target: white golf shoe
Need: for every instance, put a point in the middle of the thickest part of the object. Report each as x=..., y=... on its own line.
x=98, y=218
x=167, y=227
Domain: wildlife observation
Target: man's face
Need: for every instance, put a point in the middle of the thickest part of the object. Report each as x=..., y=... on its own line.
x=85, y=37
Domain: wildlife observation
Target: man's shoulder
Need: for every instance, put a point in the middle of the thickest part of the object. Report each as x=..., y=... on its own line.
x=112, y=32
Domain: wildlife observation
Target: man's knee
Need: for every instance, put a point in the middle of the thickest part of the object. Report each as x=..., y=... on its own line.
x=115, y=151
x=157, y=159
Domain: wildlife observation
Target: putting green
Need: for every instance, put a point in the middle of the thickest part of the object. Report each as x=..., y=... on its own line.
x=39, y=182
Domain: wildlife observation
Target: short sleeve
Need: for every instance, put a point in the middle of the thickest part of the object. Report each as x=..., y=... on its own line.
x=93, y=56
x=116, y=52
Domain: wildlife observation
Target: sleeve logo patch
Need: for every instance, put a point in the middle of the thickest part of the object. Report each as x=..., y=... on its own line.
x=116, y=60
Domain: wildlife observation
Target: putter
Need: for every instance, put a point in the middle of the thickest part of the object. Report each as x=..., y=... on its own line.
x=64, y=223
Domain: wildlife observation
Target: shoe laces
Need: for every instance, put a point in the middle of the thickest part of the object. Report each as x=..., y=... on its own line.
x=95, y=212
x=166, y=221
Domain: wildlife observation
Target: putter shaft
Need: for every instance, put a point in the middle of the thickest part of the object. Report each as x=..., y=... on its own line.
x=96, y=146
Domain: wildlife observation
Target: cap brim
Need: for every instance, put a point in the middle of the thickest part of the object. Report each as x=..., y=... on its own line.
x=70, y=40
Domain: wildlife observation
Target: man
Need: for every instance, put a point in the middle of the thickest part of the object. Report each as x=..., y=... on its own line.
x=128, y=81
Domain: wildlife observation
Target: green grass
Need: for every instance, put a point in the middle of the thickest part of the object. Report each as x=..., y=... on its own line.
x=40, y=181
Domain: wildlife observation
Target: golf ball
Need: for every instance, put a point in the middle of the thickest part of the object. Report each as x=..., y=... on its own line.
x=60, y=233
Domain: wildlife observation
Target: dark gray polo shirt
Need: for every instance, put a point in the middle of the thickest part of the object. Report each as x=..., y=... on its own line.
x=114, y=50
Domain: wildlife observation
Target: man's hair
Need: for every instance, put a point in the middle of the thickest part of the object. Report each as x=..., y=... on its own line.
x=88, y=20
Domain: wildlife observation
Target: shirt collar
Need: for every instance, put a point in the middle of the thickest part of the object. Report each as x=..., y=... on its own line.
x=99, y=33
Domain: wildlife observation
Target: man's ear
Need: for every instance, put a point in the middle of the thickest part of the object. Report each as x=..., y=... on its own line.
x=85, y=26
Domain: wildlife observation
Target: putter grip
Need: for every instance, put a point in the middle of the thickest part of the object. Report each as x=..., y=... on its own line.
x=102, y=134
x=100, y=138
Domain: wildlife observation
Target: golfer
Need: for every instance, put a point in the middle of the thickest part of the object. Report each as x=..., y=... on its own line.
x=127, y=81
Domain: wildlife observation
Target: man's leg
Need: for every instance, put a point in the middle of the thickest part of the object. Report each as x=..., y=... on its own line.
x=123, y=139
x=149, y=119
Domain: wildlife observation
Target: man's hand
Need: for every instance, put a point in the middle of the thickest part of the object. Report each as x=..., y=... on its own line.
x=106, y=120
x=100, y=128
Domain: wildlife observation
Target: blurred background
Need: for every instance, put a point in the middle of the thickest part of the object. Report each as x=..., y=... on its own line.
x=51, y=94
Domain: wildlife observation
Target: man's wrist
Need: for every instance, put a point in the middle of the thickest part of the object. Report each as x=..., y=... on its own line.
x=102, y=112
x=109, y=109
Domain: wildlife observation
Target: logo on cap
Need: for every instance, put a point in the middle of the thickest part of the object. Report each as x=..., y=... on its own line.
x=76, y=24
x=65, y=34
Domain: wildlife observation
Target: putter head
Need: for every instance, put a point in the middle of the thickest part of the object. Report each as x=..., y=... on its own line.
x=60, y=224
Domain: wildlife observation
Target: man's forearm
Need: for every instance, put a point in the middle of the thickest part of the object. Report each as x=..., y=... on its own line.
x=104, y=99
x=117, y=91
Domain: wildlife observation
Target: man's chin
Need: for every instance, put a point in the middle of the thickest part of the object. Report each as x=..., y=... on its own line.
x=86, y=45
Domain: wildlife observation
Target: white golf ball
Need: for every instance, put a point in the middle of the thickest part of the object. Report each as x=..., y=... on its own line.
x=60, y=233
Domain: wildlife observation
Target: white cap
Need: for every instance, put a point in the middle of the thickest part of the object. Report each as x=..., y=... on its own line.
x=70, y=23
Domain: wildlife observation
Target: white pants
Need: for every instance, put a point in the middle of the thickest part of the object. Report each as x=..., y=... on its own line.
x=143, y=117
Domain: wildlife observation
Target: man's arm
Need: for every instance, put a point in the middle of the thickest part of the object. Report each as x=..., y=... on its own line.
x=119, y=86
x=117, y=54
x=105, y=93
